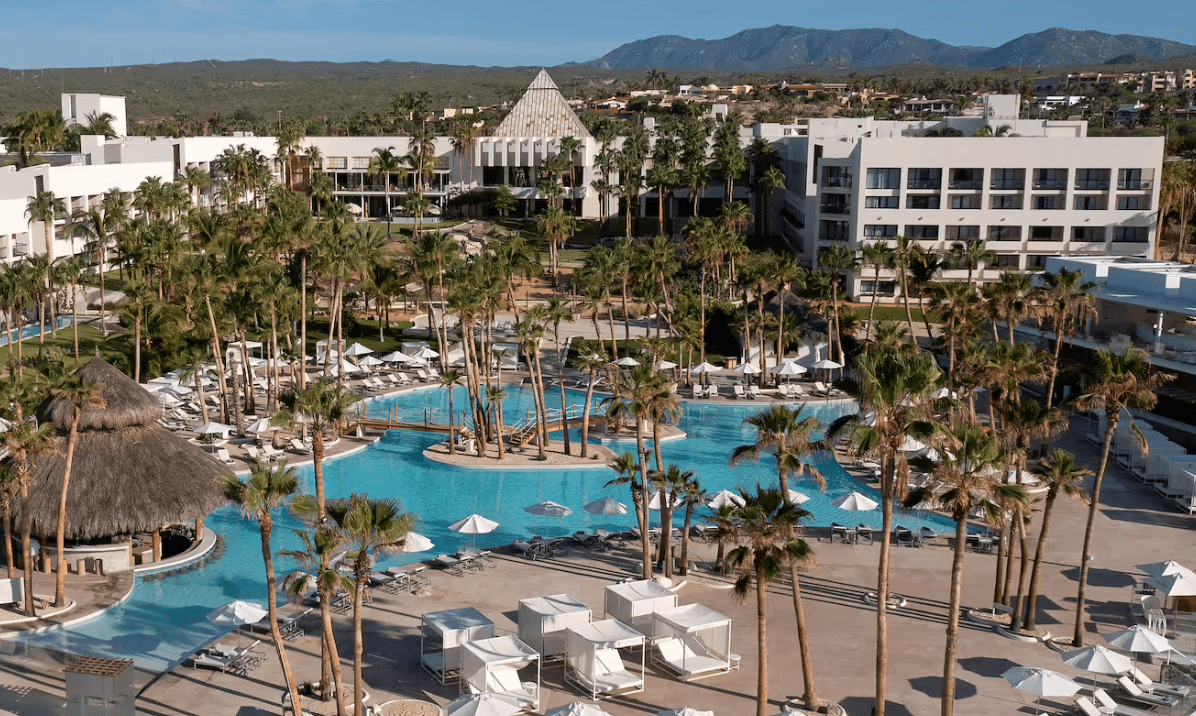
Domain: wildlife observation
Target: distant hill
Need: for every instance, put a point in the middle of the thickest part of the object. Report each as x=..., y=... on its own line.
x=783, y=47
x=1058, y=47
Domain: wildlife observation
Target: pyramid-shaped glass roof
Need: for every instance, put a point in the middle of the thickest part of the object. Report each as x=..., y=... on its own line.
x=542, y=112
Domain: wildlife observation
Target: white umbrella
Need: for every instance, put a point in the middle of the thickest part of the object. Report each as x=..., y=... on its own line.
x=1181, y=584
x=626, y=362
x=1098, y=660
x=911, y=445
x=236, y=613
x=705, y=367
x=790, y=368
x=666, y=365
x=1138, y=640
x=855, y=502
x=370, y=361
x=1164, y=569
x=826, y=364
x=168, y=399
x=473, y=526
x=489, y=704
x=354, y=209
x=396, y=357
x=358, y=350
x=722, y=498
x=425, y=353
x=748, y=369
x=214, y=429
x=577, y=708
x=606, y=506
x=798, y=498
x=548, y=509
x=415, y=542
x=1040, y=683
x=658, y=500
x=261, y=426
x=686, y=711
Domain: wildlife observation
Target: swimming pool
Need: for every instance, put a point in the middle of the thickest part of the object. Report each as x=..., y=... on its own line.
x=163, y=622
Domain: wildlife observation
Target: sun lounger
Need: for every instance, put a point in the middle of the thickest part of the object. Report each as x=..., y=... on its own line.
x=289, y=625
x=863, y=532
x=680, y=657
x=905, y=538
x=737, y=391
x=754, y=391
x=928, y=535
x=252, y=453
x=300, y=447
x=821, y=389
x=1132, y=691
x=796, y=392
x=270, y=453
x=1085, y=706
x=223, y=456
x=216, y=663
x=452, y=565
x=698, y=392
x=1143, y=681
x=712, y=391
x=783, y=390
x=1187, y=503
x=1108, y=705
x=613, y=674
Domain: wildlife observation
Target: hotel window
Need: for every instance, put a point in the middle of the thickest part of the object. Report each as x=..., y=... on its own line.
x=1129, y=234
x=884, y=178
x=1129, y=178
x=965, y=201
x=1048, y=203
x=887, y=288
x=1130, y=203
x=963, y=233
x=1092, y=178
x=1050, y=178
x=1090, y=203
x=361, y=162
x=966, y=179
x=1008, y=261
x=1007, y=201
x=882, y=202
x=1046, y=233
x=922, y=231
x=832, y=230
x=839, y=177
x=925, y=178
x=886, y=231
x=1037, y=260
x=1004, y=233
x=336, y=162
x=928, y=201
x=1008, y=179
x=1086, y=234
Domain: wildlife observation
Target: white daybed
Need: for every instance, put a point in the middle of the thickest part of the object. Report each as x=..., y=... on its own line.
x=443, y=633
x=593, y=662
x=543, y=620
x=693, y=641
x=492, y=666
x=634, y=602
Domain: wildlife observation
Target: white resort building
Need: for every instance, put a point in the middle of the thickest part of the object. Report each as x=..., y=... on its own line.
x=1030, y=190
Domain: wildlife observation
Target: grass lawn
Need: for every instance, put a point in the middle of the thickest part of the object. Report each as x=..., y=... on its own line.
x=62, y=342
x=363, y=331
x=891, y=313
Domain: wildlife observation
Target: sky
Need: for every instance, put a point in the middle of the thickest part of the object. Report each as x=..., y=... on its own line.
x=84, y=33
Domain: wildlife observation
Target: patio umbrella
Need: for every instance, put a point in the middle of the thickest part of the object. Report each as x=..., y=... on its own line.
x=855, y=502
x=546, y=510
x=1164, y=569
x=1040, y=683
x=357, y=349
x=666, y=365
x=626, y=362
x=703, y=368
x=214, y=429
x=799, y=498
x=1138, y=640
x=1098, y=660
x=473, y=526
x=425, y=353
x=237, y=613
x=606, y=506
x=722, y=498
x=415, y=542
x=261, y=426
x=489, y=704
x=657, y=500
x=354, y=209
x=748, y=369
x=370, y=361
x=1180, y=584
x=395, y=357
x=686, y=711
x=789, y=368
x=577, y=708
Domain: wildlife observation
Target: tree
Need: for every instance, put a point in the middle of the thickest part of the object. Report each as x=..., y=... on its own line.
x=80, y=396
x=895, y=389
x=369, y=528
x=974, y=254
x=770, y=181
x=1062, y=477
x=766, y=525
x=449, y=380
x=837, y=259
x=879, y=255
x=45, y=207
x=1112, y=383
x=138, y=299
x=264, y=491
x=1069, y=304
x=964, y=476
x=318, y=548
x=593, y=364
x=386, y=163
x=25, y=441
x=788, y=435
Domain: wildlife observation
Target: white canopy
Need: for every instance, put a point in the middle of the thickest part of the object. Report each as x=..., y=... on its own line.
x=790, y=368
x=593, y=661
x=237, y=612
x=692, y=640
x=543, y=620
x=658, y=501
x=634, y=602
x=358, y=350
x=690, y=618
x=723, y=498
x=705, y=367
x=1164, y=569
x=748, y=369
x=491, y=666
x=396, y=357
x=1175, y=585
x=474, y=525
x=442, y=634
x=855, y=502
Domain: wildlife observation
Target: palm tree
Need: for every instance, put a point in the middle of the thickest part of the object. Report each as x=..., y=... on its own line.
x=956, y=304
x=767, y=523
x=903, y=255
x=1111, y=383
x=322, y=407
x=138, y=299
x=1062, y=476
x=45, y=207
x=768, y=182
x=837, y=259
x=593, y=364
x=972, y=253
x=25, y=441
x=694, y=496
x=370, y=528
x=1070, y=303
x=386, y=163
x=894, y=389
x=266, y=490
x=80, y=396
x=318, y=548
x=448, y=381
x=965, y=476
x=788, y=435
x=879, y=255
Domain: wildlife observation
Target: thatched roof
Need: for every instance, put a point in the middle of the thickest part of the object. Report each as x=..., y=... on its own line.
x=125, y=403
x=129, y=474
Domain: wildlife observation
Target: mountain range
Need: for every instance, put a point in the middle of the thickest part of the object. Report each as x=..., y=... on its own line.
x=781, y=47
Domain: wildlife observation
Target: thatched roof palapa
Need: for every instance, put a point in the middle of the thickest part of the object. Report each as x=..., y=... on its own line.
x=129, y=474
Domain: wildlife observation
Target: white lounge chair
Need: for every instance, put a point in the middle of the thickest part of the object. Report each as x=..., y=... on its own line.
x=252, y=453
x=1137, y=694
x=698, y=392
x=223, y=456
x=737, y=391
x=783, y=390
x=269, y=453
x=796, y=392
x=712, y=391
x=680, y=657
x=213, y=662
x=1109, y=706
x=507, y=683
x=612, y=674
x=1086, y=707
x=300, y=447
x=754, y=391
x=1144, y=682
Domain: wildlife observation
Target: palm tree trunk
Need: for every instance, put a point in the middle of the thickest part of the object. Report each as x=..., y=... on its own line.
x=1028, y=620
x=626, y=315
x=452, y=433
x=267, y=526
x=762, y=643
x=60, y=534
x=961, y=534
x=75, y=317
x=882, y=585
x=137, y=348
x=689, y=516
x=103, y=301
x=218, y=358
x=358, y=644
x=26, y=533
x=803, y=641
x=542, y=406
x=1085, y=555
x=585, y=418
x=909, y=321
x=302, y=321
x=875, y=295
x=643, y=506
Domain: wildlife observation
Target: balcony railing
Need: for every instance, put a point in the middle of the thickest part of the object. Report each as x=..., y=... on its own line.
x=924, y=184
x=1091, y=184
x=1007, y=184
x=965, y=184
x=1050, y=184
x=837, y=182
x=1133, y=185
x=835, y=209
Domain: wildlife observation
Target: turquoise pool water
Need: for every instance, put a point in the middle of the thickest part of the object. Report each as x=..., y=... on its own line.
x=163, y=622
